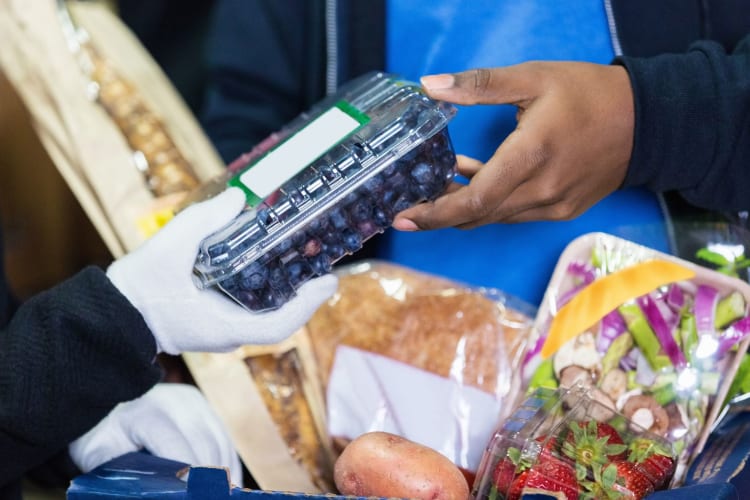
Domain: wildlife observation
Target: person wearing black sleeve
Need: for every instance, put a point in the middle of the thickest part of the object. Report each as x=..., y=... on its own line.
x=70, y=354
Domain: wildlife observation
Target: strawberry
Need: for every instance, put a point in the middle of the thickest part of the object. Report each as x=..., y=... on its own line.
x=552, y=474
x=506, y=470
x=654, y=459
x=617, y=480
x=593, y=442
x=631, y=479
x=503, y=475
x=516, y=487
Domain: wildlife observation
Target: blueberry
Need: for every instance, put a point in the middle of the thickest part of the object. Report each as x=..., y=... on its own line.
x=320, y=264
x=277, y=277
x=298, y=272
x=373, y=184
x=409, y=157
x=360, y=211
x=231, y=284
x=381, y=217
x=285, y=245
x=390, y=169
x=423, y=191
x=388, y=197
x=334, y=249
x=338, y=220
x=402, y=204
x=249, y=300
x=315, y=226
x=367, y=228
x=269, y=300
x=422, y=173
x=284, y=293
x=352, y=241
x=253, y=276
x=298, y=239
x=397, y=180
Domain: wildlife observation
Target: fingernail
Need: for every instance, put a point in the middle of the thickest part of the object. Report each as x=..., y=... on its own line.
x=405, y=225
x=438, y=82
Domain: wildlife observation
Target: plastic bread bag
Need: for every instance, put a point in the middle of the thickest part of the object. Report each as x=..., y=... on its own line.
x=658, y=338
x=419, y=356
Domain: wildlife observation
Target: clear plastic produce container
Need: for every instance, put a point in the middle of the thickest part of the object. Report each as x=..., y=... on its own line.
x=566, y=444
x=325, y=184
x=656, y=337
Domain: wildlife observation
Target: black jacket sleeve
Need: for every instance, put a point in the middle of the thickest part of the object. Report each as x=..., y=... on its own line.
x=67, y=357
x=692, y=124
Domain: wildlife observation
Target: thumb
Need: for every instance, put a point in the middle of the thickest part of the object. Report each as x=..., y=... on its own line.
x=505, y=85
x=202, y=219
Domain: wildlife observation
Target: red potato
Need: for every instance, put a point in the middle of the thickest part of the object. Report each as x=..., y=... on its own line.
x=380, y=464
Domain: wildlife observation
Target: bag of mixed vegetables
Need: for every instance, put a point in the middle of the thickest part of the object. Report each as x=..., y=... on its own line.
x=655, y=337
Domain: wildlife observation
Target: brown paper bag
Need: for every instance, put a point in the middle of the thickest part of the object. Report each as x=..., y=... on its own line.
x=87, y=146
x=271, y=399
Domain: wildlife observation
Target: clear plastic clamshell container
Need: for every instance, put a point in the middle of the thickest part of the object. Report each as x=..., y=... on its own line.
x=325, y=184
x=565, y=444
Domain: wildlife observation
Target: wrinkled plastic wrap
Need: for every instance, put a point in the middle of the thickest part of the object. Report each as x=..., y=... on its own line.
x=419, y=356
x=659, y=338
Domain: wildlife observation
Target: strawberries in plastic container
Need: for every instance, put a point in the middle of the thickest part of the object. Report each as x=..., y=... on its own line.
x=563, y=442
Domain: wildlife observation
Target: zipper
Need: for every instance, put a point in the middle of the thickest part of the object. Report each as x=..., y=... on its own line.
x=616, y=47
x=332, y=49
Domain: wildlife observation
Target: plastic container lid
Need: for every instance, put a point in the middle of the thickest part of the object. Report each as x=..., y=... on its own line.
x=320, y=187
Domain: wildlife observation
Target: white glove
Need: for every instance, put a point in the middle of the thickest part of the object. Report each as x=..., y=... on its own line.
x=172, y=421
x=157, y=279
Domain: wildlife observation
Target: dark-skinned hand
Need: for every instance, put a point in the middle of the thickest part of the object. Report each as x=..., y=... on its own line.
x=570, y=148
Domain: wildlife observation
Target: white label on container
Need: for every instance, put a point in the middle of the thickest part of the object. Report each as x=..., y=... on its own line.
x=299, y=151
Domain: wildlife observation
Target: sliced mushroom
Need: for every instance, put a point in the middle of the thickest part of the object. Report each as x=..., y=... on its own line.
x=574, y=374
x=645, y=412
x=614, y=383
x=603, y=411
x=580, y=351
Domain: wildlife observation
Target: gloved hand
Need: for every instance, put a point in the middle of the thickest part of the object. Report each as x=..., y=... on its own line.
x=172, y=421
x=157, y=279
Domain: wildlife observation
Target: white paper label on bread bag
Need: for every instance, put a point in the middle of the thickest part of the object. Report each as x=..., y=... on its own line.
x=300, y=150
x=370, y=392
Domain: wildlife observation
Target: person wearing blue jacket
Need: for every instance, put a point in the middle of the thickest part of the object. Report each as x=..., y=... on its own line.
x=685, y=134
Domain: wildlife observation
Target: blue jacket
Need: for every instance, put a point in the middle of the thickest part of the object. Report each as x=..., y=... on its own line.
x=270, y=60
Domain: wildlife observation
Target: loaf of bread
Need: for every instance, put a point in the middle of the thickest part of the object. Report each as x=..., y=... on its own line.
x=425, y=321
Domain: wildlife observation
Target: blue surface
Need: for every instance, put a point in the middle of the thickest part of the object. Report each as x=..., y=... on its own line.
x=451, y=35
